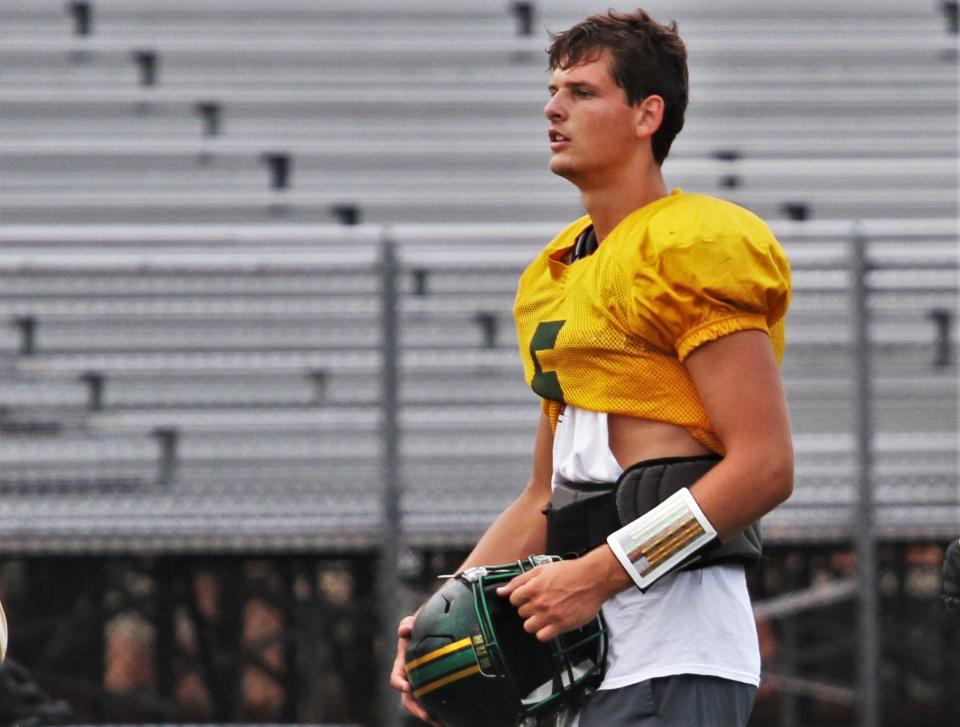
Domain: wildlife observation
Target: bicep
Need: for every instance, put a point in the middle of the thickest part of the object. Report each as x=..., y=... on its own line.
x=738, y=381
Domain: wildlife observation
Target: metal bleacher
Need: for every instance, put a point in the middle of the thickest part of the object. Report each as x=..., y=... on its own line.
x=190, y=348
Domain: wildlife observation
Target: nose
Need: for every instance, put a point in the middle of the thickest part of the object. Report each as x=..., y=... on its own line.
x=554, y=110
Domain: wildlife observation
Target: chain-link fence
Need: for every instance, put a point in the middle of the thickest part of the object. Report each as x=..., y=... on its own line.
x=216, y=399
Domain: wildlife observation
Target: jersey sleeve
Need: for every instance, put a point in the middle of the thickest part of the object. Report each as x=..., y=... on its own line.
x=706, y=284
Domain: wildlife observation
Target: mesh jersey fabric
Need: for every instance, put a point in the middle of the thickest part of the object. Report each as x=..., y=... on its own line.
x=610, y=332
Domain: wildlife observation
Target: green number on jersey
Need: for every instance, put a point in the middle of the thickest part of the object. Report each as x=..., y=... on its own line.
x=545, y=383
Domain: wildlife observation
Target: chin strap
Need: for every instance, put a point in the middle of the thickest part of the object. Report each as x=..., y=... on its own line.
x=661, y=539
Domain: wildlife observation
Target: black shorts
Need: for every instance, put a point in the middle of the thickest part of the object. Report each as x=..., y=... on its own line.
x=683, y=700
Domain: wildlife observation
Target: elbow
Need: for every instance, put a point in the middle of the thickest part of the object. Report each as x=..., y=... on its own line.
x=769, y=470
x=785, y=485
x=779, y=478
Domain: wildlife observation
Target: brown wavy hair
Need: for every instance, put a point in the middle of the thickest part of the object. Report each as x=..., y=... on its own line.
x=647, y=58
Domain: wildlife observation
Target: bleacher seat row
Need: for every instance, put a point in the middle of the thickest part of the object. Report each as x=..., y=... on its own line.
x=193, y=198
x=159, y=380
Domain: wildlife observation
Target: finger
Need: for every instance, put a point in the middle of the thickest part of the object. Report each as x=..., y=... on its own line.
x=519, y=589
x=398, y=676
x=514, y=584
x=548, y=632
x=413, y=707
x=535, y=623
x=522, y=594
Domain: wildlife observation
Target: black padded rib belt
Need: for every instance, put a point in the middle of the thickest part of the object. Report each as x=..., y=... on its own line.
x=581, y=516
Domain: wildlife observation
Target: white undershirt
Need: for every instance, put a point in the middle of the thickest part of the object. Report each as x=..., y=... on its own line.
x=688, y=622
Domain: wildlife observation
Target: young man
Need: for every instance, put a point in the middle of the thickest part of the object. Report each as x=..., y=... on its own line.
x=652, y=328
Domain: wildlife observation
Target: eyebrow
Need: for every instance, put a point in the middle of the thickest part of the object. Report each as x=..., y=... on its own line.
x=574, y=85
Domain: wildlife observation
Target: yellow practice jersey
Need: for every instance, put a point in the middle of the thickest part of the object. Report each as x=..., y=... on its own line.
x=610, y=332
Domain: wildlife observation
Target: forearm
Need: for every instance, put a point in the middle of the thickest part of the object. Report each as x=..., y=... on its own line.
x=744, y=487
x=520, y=530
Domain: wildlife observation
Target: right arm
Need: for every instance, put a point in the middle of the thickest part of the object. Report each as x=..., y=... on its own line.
x=520, y=530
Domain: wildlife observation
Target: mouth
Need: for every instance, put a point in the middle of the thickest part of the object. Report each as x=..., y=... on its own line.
x=557, y=140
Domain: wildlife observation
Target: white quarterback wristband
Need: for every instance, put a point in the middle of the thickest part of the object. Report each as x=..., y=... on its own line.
x=660, y=539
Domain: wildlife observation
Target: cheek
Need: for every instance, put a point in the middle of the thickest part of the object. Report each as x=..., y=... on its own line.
x=613, y=132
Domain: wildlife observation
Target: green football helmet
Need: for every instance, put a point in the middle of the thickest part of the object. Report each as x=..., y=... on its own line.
x=471, y=664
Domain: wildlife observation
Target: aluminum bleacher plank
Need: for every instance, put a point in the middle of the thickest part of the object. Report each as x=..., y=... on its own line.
x=434, y=205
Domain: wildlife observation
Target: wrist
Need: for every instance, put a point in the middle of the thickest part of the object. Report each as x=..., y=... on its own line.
x=605, y=571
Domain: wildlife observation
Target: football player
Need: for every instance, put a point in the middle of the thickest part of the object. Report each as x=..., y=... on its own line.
x=652, y=328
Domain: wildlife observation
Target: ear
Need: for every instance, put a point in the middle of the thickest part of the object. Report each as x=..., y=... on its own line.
x=649, y=116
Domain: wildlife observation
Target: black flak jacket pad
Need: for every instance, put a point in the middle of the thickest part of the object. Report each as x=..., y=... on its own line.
x=646, y=484
x=576, y=528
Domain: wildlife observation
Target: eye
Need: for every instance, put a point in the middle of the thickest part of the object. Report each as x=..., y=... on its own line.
x=582, y=93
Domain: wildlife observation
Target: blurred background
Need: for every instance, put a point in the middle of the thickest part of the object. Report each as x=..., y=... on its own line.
x=258, y=376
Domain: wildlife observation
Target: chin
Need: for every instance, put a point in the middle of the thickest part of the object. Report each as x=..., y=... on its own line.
x=563, y=168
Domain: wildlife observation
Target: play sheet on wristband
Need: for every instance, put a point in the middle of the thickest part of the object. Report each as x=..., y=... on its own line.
x=659, y=540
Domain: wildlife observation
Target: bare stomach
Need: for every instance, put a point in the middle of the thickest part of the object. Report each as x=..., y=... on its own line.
x=635, y=440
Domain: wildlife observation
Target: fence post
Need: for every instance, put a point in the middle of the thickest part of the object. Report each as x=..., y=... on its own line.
x=391, y=530
x=869, y=616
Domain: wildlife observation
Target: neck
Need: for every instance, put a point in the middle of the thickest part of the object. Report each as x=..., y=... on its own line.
x=608, y=203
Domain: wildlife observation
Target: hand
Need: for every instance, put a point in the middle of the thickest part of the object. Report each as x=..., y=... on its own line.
x=558, y=597
x=398, y=675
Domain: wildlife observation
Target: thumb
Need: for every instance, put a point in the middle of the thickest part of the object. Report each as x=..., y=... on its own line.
x=405, y=628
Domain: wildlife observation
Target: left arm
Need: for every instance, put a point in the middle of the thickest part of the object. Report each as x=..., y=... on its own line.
x=739, y=385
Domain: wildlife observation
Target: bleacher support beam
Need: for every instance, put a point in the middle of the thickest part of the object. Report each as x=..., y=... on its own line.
x=28, y=334
x=82, y=15
x=952, y=15
x=797, y=211
x=147, y=64
x=488, y=328
x=943, y=320
x=523, y=13
x=347, y=214
x=421, y=277
x=279, y=164
x=320, y=381
x=94, y=382
x=210, y=115
x=168, y=438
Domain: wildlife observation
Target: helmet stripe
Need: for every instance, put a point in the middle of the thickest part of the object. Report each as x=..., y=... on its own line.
x=455, y=646
x=447, y=664
x=456, y=676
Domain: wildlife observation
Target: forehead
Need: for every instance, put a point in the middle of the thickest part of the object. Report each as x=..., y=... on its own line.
x=594, y=69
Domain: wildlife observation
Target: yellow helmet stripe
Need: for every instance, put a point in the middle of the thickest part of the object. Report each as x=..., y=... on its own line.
x=426, y=658
x=456, y=676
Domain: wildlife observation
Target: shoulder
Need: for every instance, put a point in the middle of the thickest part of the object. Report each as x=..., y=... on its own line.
x=696, y=232
x=695, y=219
x=702, y=258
